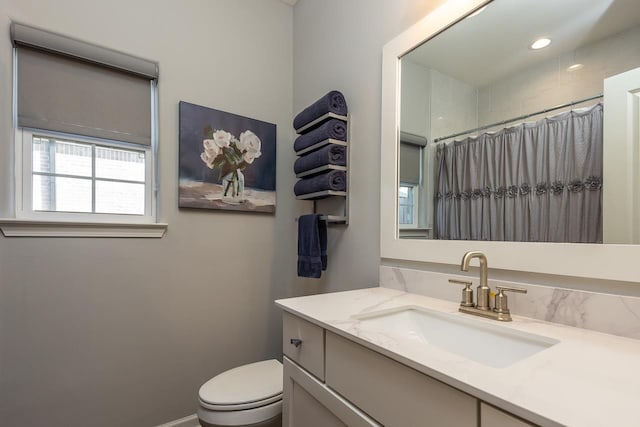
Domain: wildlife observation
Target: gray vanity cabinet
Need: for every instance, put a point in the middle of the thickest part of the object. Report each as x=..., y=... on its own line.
x=307, y=401
x=392, y=393
x=303, y=342
x=331, y=381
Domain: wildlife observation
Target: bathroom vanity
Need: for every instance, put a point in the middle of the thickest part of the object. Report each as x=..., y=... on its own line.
x=349, y=361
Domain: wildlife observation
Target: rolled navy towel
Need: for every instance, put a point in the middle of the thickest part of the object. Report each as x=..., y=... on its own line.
x=334, y=129
x=331, y=154
x=333, y=102
x=332, y=180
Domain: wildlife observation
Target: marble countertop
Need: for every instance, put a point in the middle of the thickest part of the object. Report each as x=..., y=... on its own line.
x=587, y=379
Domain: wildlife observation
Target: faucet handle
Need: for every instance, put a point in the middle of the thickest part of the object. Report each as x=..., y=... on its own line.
x=511, y=289
x=467, y=292
x=501, y=302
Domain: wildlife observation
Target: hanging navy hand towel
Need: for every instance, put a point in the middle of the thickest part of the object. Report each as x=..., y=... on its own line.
x=312, y=246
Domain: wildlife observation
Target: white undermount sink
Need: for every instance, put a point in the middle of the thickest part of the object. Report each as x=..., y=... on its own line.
x=480, y=340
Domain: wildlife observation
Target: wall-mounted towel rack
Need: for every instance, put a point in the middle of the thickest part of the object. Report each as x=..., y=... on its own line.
x=321, y=169
x=321, y=144
x=321, y=120
x=323, y=197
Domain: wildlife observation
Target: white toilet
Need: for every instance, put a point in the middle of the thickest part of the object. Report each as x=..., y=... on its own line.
x=246, y=396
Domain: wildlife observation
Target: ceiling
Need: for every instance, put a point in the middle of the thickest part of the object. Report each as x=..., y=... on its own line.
x=508, y=27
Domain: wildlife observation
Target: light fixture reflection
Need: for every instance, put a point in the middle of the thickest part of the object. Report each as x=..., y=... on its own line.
x=540, y=43
x=575, y=67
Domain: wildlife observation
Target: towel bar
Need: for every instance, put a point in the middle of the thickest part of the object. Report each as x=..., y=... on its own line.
x=333, y=219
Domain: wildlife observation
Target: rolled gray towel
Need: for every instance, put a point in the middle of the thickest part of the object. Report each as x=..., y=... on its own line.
x=333, y=102
x=332, y=180
x=331, y=154
x=334, y=129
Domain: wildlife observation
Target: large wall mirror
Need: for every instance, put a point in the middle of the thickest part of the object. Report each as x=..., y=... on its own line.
x=501, y=124
x=515, y=122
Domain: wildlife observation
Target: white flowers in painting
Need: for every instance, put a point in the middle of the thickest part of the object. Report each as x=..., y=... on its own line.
x=250, y=146
x=211, y=151
x=222, y=138
x=215, y=145
x=230, y=154
x=223, y=150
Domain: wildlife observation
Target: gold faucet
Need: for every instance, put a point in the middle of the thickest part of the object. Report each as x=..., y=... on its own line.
x=483, y=307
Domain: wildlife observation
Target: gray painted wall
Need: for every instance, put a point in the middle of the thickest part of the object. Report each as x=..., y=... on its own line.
x=338, y=45
x=122, y=332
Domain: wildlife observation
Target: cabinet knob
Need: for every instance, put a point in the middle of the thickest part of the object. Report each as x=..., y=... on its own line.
x=296, y=342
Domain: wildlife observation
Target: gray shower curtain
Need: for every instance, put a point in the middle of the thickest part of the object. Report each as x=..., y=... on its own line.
x=535, y=182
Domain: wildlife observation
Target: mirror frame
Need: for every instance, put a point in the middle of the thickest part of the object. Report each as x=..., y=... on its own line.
x=600, y=261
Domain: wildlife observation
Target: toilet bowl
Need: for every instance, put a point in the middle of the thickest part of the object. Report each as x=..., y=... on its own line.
x=246, y=396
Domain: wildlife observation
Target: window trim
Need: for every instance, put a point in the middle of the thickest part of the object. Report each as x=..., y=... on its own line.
x=21, y=226
x=24, y=175
x=12, y=227
x=65, y=224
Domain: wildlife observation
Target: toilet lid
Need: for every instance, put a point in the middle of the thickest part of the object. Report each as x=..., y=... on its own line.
x=256, y=382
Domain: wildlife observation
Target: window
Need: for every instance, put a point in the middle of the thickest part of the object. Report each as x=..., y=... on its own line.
x=85, y=123
x=81, y=176
x=407, y=206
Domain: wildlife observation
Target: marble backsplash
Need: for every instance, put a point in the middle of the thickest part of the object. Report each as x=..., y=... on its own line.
x=612, y=314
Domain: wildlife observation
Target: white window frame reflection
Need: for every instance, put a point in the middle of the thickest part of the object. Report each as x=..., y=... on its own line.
x=24, y=180
x=415, y=192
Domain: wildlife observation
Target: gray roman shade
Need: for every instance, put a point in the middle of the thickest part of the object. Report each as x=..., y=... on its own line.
x=410, y=157
x=410, y=138
x=410, y=163
x=66, y=85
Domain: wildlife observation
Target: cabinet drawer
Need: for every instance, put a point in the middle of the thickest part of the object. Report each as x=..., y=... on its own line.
x=392, y=393
x=493, y=417
x=310, y=352
x=309, y=403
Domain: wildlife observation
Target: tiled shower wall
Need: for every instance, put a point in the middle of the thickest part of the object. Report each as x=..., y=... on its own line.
x=550, y=83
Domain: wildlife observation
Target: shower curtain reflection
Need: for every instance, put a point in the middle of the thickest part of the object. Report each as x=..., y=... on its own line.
x=535, y=182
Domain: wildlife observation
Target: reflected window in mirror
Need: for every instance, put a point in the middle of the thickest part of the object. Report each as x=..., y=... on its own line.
x=407, y=206
x=515, y=143
x=414, y=165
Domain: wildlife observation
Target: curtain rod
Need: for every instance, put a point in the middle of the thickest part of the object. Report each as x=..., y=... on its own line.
x=515, y=119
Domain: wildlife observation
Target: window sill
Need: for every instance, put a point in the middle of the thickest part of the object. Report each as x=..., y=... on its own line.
x=35, y=228
x=413, y=232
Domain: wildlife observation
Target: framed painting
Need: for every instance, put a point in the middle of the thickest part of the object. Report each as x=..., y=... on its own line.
x=226, y=161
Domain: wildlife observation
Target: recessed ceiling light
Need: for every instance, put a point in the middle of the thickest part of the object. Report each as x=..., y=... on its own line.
x=477, y=12
x=575, y=67
x=540, y=43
